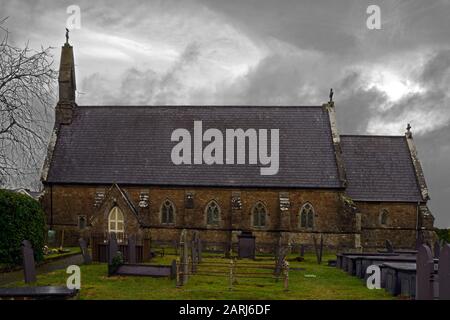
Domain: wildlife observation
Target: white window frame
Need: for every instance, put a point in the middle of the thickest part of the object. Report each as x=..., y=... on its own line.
x=118, y=218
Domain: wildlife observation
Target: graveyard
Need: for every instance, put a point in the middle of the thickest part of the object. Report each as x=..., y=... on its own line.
x=311, y=282
x=137, y=268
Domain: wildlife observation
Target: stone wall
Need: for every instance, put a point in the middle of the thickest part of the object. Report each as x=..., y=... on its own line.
x=400, y=227
x=64, y=204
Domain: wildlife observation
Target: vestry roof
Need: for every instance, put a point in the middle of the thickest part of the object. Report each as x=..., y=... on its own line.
x=132, y=145
x=379, y=168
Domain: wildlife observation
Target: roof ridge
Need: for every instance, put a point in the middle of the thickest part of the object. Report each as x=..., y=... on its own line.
x=372, y=136
x=194, y=106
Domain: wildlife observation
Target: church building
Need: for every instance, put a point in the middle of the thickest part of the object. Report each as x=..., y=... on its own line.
x=110, y=169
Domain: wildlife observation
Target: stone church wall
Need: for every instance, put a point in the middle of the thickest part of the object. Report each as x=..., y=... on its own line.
x=64, y=204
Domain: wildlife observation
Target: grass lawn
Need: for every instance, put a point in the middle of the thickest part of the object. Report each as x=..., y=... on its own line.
x=312, y=282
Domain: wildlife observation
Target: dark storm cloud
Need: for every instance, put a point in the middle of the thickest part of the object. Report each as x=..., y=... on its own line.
x=268, y=52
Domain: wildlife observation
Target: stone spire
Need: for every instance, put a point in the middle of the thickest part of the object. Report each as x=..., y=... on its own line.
x=67, y=85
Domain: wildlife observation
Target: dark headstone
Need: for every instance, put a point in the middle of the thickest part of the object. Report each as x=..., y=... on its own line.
x=419, y=240
x=41, y=293
x=112, y=247
x=173, y=269
x=437, y=249
x=84, y=251
x=184, y=255
x=391, y=283
x=321, y=249
x=132, y=249
x=318, y=249
x=29, y=268
x=280, y=261
x=444, y=273
x=389, y=247
x=302, y=250
x=175, y=246
x=425, y=269
x=246, y=245
x=193, y=257
x=144, y=270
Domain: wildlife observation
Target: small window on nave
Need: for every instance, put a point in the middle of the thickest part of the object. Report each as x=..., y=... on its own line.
x=307, y=216
x=212, y=213
x=259, y=214
x=167, y=212
x=384, y=216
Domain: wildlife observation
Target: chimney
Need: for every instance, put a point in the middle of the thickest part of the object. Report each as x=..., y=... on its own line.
x=67, y=85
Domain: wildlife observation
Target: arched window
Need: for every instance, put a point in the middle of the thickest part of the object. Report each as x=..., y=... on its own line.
x=259, y=213
x=167, y=212
x=307, y=216
x=384, y=215
x=212, y=213
x=116, y=222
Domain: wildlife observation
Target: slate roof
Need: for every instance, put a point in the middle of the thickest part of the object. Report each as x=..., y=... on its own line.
x=132, y=145
x=379, y=168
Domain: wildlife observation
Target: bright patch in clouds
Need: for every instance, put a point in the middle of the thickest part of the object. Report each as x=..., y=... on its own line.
x=393, y=85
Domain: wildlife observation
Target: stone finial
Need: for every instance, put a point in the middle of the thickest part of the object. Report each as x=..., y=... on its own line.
x=331, y=95
x=408, y=131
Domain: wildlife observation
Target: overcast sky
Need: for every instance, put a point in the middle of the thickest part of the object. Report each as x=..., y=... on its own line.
x=266, y=52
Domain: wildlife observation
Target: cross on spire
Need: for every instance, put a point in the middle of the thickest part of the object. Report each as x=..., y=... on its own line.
x=67, y=36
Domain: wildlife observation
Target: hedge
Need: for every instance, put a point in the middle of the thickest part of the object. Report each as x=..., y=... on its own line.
x=21, y=217
x=443, y=234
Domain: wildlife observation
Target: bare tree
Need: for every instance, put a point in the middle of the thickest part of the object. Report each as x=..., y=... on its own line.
x=27, y=81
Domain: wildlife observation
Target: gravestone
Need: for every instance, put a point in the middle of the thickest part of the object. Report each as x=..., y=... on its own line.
x=302, y=250
x=437, y=249
x=197, y=243
x=389, y=247
x=132, y=249
x=184, y=257
x=29, y=268
x=173, y=269
x=425, y=269
x=193, y=257
x=84, y=251
x=175, y=246
x=444, y=273
x=246, y=245
x=419, y=240
x=199, y=249
x=318, y=249
x=112, y=247
x=280, y=260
